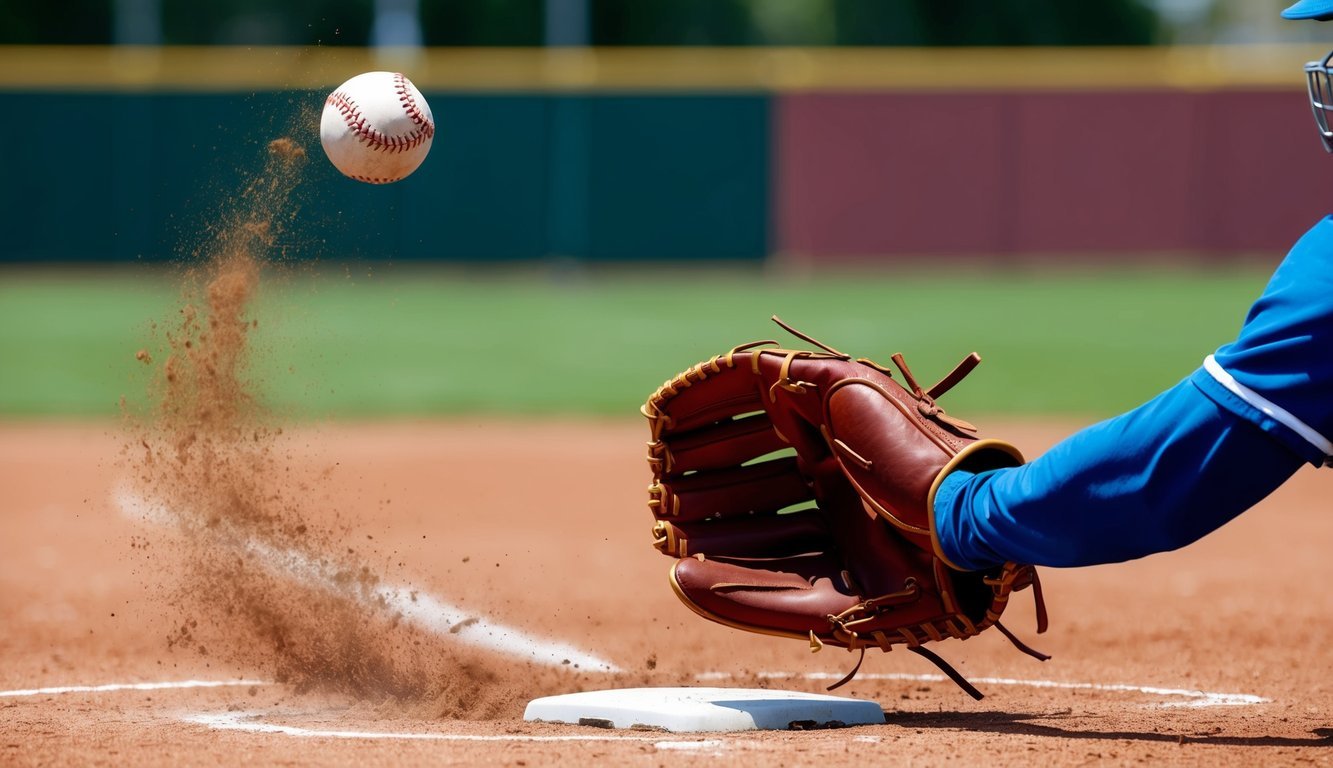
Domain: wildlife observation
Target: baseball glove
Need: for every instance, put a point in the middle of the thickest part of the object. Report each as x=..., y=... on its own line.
x=795, y=489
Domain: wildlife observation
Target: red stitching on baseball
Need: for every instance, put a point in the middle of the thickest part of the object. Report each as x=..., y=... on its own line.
x=373, y=137
x=410, y=105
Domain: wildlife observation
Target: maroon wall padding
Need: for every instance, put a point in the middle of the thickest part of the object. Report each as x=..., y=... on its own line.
x=878, y=173
x=1099, y=171
x=859, y=175
x=1264, y=176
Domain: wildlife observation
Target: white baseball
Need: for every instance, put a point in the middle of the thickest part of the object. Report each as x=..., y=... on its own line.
x=376, y=127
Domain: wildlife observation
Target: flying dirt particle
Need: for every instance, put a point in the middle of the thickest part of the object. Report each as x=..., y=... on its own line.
x=465, y=557
x=143, y=357
x=286, y=150
x=460, y=626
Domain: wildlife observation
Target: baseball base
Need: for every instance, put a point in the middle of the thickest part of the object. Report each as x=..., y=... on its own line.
x=697, y=710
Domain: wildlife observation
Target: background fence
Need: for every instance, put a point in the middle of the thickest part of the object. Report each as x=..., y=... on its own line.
x=671, y=154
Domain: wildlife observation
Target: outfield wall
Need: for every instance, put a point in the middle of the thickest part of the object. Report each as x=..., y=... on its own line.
x=510, y=177
x=1062, y=172
x=628, y=154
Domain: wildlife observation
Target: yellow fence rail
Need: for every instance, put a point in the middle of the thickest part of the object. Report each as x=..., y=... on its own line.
x=130, y=68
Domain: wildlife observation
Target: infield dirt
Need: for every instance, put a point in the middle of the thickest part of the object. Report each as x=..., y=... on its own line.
x=542, y=526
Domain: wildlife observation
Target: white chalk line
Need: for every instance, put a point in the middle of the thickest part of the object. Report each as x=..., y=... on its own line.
x=250, y=722
x=1192, y=698
x=420, y=608
x=437, y=616
x=114, y=687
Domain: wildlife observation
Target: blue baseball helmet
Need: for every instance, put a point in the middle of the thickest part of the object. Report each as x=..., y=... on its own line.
x=1320, y=10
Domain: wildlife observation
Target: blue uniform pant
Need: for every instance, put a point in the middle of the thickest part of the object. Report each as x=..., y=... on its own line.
x=1182, y=464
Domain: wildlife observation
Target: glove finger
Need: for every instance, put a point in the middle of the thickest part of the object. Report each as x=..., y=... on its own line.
x=710, y=392
x=764, y=487
x=754, y=536
x=791, y=596
x=718, y=445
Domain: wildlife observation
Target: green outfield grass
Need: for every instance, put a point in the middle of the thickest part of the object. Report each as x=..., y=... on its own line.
x=399, y=342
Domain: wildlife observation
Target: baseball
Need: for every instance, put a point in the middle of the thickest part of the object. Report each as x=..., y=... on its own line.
x=376, y=127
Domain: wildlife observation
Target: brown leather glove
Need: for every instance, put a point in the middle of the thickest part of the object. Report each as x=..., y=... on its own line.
x=795, y=488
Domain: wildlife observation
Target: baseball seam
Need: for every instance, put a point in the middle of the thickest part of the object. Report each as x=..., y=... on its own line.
x=376, y=139
x=409, y=103
x=372, y=179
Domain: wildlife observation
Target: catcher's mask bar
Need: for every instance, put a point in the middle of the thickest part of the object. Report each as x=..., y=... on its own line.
x=1319, y=83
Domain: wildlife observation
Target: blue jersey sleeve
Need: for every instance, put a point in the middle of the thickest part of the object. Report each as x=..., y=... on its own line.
x=1283, y=358
x=1175, y=468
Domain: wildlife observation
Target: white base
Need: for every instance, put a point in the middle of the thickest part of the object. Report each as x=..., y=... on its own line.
x=691, y=710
